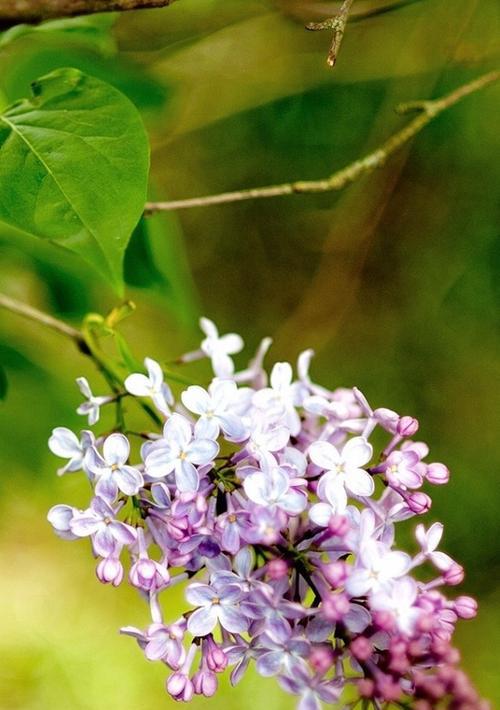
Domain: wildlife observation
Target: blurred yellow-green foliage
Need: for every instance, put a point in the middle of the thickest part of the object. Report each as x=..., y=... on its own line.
x=394, y=282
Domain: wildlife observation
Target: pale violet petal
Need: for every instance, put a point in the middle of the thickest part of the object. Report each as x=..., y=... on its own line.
x=116, y=449
x=138, y=385
x=202, y=621
x=357, y=452
x=324, y=455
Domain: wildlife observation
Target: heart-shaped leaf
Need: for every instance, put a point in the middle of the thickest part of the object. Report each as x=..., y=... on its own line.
x=74, y=163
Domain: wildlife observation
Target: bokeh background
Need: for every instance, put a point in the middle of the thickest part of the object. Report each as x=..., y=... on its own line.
x=394, y=282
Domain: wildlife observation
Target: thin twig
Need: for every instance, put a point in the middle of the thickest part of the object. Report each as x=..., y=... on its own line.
x=10, y=304
x=428, y=110
x=337, y=24
x=15, y=12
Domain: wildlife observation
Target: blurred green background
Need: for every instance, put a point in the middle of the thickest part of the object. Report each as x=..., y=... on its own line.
x=394, y=282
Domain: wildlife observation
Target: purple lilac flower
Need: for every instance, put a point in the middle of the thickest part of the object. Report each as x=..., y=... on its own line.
x=263, y=500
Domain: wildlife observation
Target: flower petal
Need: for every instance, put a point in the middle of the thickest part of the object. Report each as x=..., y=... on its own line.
x=186, y=476
x=359, y=482
x=202, y=621
x=116, y=449
x=232, y=619
x=128, y=480
x=357, y=452
x=138, y=385
x=324, y=455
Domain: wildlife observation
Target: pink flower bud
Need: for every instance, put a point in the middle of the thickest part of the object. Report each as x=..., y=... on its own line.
x=407, y=426
x=277, y=569
x=338, y=525
x=110, y=571
x=335, y=607
x=205, y=683
x=454, y=575
x=465, y=607
x=335, y=573
x=437, y=473
x=321, y=658
x=419, y=502
x=361, y=648
x=180, y=687
x=366, y=687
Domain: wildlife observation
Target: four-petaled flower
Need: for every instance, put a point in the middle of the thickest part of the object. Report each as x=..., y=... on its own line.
x=180, y=452
x=151, y=385
x=272, y=486
x=92, y=407
x=111, y=470
x=279, y=401
x=98, y=521
x=215, y=605
x=219, y=348
x=376, y=569
x=64, y=443
x=343, y=471
x=399, y=600
x=214, y=410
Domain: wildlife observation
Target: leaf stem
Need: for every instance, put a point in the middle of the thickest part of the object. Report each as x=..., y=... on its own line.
x=428, y=110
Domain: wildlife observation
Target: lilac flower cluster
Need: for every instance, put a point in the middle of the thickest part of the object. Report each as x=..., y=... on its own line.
x=264, y=495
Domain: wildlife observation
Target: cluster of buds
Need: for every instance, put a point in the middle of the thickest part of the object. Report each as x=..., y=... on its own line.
x=263, y=496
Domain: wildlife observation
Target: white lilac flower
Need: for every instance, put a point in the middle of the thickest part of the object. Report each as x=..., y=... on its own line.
x=266, y=440
x=214, y=606
x=111, y=469
x=99, y=522
x=428, y=541
x=399, y=600
x=179, y=452
x=272, y=487
x=255, y=373
x=376, y=569
x=92, y=407
x=64, y=443
x=215, y=410
x=151, y=386
x=343, y=471
x=279, y=401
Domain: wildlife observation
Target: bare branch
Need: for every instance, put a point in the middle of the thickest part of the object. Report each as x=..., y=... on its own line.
x=14, y=12
x=428, y=109
x=10, y=304
x=337, y=24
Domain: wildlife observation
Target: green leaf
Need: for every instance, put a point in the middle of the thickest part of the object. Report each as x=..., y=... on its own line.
x=92, y=31
x=3, y=383
x=74, y=164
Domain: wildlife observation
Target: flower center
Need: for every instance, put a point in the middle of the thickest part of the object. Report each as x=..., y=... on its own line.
x=231, y=518
x=215, y=600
